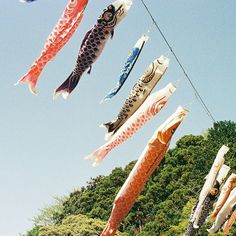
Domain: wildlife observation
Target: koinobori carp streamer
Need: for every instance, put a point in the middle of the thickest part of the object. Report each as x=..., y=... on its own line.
x=148, y=161
x=60, y=35
x=225, y=212
x=207, y=204
x=130, y=62
x=139, y=93
x=209, y=183
x=27, y=1
x=94, y=43
x=229, y=223
x=224, y=194
x=149, y=109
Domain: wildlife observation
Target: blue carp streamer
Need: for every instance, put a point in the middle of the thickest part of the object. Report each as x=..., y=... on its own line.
x=130, y=62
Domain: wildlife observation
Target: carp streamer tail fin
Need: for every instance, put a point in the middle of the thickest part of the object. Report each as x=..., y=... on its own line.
x=112, y=126
x=30, y=78
x=109, y=126
x=67, y=86
x=111, y=129
x=98, y=156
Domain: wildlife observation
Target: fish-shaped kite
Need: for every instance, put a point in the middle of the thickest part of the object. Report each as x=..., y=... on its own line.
x=149, y=160
x=149, y=109
x=130, y=62
x=229, y=223
x=139, y=93
x=210, y=181
x=224, y=194
x=60, y=35
x=225, y=213
x=93, y=44
x=208, y=202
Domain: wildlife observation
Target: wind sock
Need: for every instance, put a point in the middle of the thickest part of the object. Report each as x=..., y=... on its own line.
x=139, y=93
x=149, y=109
x=229, y=223
x=208, y=202
x=148, y=161
x=60, y=35
x=93, y=44
x=224, y=194
x=211, y=178
x=225, y=212
x=130, y=63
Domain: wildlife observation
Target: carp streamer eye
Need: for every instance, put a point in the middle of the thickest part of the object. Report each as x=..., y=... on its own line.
x=107, y=16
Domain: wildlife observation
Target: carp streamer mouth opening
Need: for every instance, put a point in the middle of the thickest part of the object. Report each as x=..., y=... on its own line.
x=117, y=11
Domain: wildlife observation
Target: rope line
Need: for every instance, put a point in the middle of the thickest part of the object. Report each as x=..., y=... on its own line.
x=196, y=93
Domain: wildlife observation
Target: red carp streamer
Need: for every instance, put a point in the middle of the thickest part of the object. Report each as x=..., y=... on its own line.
x=152, y=106
x=60, y=35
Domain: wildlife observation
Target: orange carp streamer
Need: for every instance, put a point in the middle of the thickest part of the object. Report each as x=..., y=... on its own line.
x=229, y=223
x=224, y=194
x=225, y=213
x=60, y=35
x=148, y=161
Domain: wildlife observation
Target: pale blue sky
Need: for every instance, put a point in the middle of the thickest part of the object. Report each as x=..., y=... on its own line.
x=43, y=142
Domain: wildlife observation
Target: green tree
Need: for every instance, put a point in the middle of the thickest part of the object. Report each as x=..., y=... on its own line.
x=48, y=214
x=33, y=232
x=78, y=225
